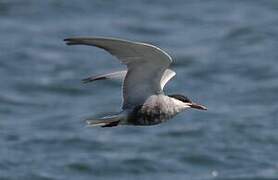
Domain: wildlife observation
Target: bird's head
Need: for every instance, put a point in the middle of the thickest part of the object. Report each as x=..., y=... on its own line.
x=188, y=102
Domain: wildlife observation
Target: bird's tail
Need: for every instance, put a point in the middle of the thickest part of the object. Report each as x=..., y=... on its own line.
x=108, y=121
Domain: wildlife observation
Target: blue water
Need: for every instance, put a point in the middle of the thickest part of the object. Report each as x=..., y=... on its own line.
x=225, y=55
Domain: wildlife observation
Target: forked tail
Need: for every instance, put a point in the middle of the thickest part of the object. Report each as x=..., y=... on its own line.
x=108, y=121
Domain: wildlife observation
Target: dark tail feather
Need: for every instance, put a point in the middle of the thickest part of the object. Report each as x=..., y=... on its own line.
x=103, y=123
x=111, y=124
x=108, y=121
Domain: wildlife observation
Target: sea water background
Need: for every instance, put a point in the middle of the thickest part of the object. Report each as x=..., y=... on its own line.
x=225, y=55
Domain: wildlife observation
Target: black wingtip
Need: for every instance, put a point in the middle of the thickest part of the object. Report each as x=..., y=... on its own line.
x=71, y=41
x=68, y=41
x=86, y=80
x=91, y=79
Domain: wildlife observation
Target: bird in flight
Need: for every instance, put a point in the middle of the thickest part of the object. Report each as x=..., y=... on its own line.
x=144, y=102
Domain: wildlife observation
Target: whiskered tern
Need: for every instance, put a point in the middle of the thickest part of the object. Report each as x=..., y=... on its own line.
x=144, y=102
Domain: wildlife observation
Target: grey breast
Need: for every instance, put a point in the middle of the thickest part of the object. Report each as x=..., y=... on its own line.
x=155, y=110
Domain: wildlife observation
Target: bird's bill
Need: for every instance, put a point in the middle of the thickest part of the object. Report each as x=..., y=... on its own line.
x=197, y=106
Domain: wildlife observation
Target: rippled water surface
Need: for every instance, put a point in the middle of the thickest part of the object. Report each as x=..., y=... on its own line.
x=225, y=55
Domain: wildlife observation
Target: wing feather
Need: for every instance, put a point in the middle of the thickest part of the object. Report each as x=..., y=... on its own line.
x=146, y=65
x=167, y=76
x=113, y=75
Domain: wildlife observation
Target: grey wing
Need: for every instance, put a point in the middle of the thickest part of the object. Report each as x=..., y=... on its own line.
x=167, y=75
x=146, y=65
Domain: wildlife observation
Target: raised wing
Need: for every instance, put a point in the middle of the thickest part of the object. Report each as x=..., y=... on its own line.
x=146, y=65
x=168, y=74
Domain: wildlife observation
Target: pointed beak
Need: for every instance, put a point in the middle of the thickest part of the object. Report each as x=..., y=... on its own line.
x=197, y=106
